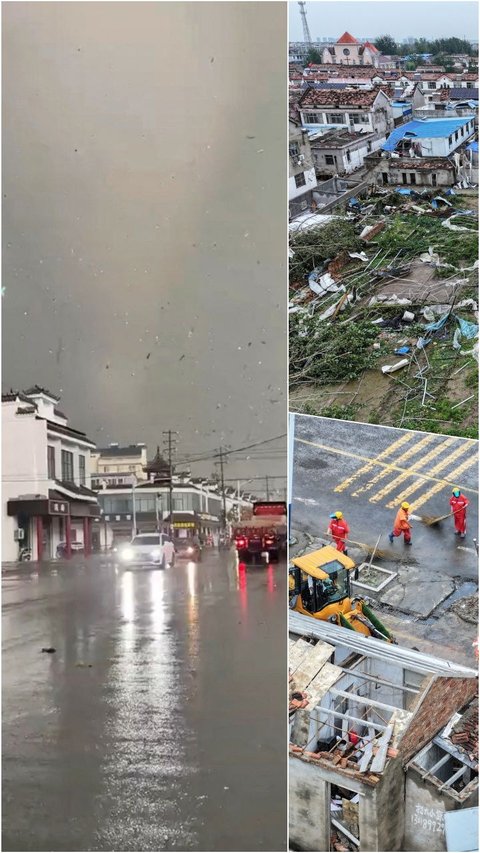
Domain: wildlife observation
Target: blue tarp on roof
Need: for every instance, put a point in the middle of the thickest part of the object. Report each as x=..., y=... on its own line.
x=473, y=147
x=429, y=128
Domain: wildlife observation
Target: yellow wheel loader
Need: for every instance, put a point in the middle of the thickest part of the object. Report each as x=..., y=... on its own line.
x=319, y=586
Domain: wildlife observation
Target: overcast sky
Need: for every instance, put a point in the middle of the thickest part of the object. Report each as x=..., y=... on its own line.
x=431, y=19
x=145, y=218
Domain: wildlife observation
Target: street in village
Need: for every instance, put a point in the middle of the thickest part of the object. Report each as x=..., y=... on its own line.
x=366, y=471
x=152, y=720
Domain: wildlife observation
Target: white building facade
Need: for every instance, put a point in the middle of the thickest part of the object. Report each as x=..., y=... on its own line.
x=46, y=478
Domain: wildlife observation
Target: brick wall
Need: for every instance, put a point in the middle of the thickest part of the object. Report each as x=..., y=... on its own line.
x=444, y=697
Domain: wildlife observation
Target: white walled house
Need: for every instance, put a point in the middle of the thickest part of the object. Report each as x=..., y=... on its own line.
x=115, y=465
x=302, y=179
x=197, y=507
x=339, y=152
x=431, y=137
x=46, y=476
x=357, y=110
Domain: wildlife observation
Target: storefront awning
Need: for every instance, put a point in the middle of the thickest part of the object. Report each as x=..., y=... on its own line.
x=54, y=505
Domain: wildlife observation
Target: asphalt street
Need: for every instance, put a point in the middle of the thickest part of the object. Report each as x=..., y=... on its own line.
x=366, y=471
x=158, y=723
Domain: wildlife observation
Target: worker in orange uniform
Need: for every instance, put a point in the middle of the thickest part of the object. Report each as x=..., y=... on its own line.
x=402, y=525
x=459, y=503
x=339, y=530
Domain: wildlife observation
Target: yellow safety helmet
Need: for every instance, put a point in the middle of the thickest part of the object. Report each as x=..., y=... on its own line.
x=456, y=491
x=405, y=505
x=339, y=514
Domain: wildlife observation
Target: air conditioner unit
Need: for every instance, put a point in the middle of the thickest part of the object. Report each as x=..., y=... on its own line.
x=19, y=534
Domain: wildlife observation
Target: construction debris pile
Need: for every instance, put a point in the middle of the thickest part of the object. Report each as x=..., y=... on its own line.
x=390, y=286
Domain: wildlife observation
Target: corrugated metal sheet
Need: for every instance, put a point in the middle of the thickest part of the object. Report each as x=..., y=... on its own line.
x=306, y=626
x=435, y=128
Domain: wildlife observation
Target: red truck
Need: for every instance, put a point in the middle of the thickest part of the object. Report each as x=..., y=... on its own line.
x=263, y=536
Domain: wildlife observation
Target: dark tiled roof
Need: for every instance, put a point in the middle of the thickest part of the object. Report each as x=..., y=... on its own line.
x=27, y=410
x=81, y=491
x=158, y=465
x=130, y=450
x=338, y=98
x=64, y=430
x=37, y=389
x=59, y=414
x=11, y=396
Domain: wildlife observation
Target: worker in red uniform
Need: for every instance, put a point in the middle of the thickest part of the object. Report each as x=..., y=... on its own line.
x=402, y=525
x=459, y=503
x=339, y=530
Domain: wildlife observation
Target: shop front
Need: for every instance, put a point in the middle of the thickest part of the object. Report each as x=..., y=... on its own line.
x=43, y=524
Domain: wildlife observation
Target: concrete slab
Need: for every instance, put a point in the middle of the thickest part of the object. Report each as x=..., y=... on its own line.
x=416, y=595
x=373, y=578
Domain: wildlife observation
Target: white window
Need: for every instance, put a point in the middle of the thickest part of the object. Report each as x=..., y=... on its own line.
x=361, y=118
x=330, y=160
x=336, y=118
x=312, y=118
x=300, y=180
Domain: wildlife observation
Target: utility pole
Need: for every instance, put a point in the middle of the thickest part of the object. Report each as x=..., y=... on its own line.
x=267, y=489
x=170, y=443
x=224, y=500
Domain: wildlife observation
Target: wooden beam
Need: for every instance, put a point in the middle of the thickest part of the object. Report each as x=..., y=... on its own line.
x=332, y=712
x=363, y=700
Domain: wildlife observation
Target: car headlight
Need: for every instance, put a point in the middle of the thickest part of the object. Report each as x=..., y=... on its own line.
x=156, y=554
x=127, y=554
x=190, y=550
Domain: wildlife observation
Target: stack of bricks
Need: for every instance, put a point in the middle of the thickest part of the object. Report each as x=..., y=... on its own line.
x=465, y=733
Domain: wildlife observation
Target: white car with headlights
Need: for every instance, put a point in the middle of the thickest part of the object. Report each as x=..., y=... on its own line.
x=148, y=549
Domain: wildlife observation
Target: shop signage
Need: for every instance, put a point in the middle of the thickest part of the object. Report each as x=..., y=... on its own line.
x=183, y=525
x=58, y=507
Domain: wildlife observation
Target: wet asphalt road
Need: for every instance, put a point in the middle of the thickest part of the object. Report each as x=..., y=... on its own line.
x=174, y=737
x=332, y=472
x=366, y=471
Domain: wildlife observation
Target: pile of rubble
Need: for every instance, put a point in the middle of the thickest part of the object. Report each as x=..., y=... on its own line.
x=409, y=274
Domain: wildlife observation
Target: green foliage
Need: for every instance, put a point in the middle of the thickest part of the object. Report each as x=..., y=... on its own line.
x=417, y=233
x=443, y=46
x=340, y=413
x=387, y=45
x=314, y=56
x=471, y=379
x=324, y=352
x=315, y=245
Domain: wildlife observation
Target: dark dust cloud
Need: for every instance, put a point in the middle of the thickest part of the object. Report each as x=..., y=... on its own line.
x=145, y=218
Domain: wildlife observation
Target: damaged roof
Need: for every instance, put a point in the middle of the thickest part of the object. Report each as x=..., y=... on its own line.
x=423, y=164
x=339, y=139
x=429, y=128
x=339, y=98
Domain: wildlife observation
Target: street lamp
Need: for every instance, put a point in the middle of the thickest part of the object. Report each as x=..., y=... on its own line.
x=239, y=487
x=133, y=481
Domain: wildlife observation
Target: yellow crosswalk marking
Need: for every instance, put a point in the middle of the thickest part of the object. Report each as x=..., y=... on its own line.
x=392, y=448
x=335, y=451
x=411, y=451
x=464, y=447
x=452, y=480
x=413, y=469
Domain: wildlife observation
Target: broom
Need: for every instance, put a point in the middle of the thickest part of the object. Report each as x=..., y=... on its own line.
x=371, y=550
x=432, y=520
